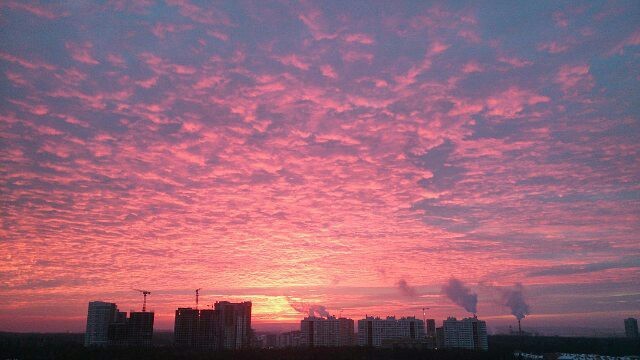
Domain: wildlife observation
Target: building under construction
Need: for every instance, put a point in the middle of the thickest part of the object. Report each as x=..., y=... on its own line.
x=225, y=327
x=107, y=326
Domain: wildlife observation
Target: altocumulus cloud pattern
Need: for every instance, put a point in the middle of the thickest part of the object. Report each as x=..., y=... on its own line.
x=318, y=153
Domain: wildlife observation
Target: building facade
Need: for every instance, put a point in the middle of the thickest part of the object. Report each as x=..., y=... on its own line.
x=431, y=328
x=376, y=332
x=234, y=324
x=107, y=326
x=469, y=333
x=226, y=326
x=330, y=331
x=140, y=328
x=100, y=316
x=631, y=327
x=185, y=329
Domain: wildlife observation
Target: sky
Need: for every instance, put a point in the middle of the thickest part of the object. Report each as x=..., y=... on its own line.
x=354, y=155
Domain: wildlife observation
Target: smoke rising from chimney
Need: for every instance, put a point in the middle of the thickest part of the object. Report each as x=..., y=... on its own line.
x=461, y=295
x=406, y=289
x=514, y=299
x=311, y=310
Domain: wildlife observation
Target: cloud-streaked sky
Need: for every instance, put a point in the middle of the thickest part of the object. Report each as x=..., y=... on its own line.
x=354, y=155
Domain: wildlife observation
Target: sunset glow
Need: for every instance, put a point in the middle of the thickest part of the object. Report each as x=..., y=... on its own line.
x=350, y=154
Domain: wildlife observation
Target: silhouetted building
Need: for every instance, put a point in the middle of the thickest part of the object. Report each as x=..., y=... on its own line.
x=108, y=326
x=185, y=330
x=226, y=326
x=439, y=337
x=431, y=328
x=469, y=333
x=196, y=328
x=382, y=332
x=99, y=316
x=330, y=331
x=208, y=329
x=234, y=324
x=289, y=339
x=140, y=329
x=118, y=330
x=631, y=327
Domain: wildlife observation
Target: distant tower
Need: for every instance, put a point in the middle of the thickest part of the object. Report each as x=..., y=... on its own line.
x=631, y=327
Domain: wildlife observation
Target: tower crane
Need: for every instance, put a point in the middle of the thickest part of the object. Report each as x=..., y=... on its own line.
x=144, y=293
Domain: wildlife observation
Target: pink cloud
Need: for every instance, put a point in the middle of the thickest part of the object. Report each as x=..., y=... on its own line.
x=514, y=61
x=81, y=52
x=209, y=15
x=573, y=78
x=40, y=11
x=29, y=64
x=553, y=47
x=294, y=60
x=176, y=147
x=357, y=56
x=359, y=38
x=512, y=102
x=315, y=22
x=328, y=71
x=631, y=40
x=471, y=67
x=161, y=29
x=560, y=19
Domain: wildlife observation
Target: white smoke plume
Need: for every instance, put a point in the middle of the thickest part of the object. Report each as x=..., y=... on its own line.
x=461, y=295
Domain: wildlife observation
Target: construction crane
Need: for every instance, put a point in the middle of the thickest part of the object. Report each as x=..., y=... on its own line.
x=144, y=293
x=197, y=295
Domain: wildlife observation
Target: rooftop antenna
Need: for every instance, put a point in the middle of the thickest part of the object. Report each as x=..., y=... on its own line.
x=340, y=313
x=144, y=293
x=197, y=295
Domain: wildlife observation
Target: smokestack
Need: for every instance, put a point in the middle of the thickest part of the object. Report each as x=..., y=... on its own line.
x=519, y=328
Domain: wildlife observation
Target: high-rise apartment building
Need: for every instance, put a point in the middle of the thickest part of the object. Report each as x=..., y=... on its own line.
x=108, y=326
x=431, y=327
x=99, y=317
x=235, y=324
x=226, y=326
x=330, y=331
x=118, y=330
x=631, y=327
x=185, y=330
x=196, y=328
x=469, y=333
x=374, y=331
x=140, y=328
